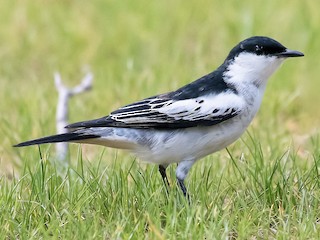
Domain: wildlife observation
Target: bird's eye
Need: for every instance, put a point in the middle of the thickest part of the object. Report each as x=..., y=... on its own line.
x=258, y=48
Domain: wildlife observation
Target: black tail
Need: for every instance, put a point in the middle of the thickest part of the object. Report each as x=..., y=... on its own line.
x=65, y=137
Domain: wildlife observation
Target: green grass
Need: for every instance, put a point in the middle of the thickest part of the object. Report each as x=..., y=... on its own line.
x=266, y=186
x=259, y=196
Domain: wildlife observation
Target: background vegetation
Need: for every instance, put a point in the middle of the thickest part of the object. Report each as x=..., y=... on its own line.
x=265, y=187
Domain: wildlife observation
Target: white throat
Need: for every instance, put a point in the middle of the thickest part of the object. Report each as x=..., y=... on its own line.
x=250, y=68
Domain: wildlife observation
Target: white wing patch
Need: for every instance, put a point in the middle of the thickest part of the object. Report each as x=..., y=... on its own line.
x=209, y=107
x=168, y=113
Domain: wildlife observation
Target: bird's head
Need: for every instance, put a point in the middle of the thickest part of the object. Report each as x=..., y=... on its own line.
x=255, y=59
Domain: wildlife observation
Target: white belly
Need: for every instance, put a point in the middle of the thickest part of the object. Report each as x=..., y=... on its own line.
x=170, y=146
x=192, y=143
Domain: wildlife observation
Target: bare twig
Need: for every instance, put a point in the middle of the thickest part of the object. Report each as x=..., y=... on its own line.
x=62, y=108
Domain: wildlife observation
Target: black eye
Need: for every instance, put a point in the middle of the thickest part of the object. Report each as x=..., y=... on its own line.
x=258, y=49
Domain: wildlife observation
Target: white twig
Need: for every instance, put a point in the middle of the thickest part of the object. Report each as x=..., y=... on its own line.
x=62, y=107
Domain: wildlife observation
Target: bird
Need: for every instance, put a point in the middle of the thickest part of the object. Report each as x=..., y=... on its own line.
x=198, y=119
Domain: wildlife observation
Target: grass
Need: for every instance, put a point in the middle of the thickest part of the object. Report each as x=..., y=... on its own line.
x=265, y=198
x=265, y=186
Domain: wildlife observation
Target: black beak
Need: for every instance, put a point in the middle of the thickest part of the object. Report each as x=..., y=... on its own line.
x=290, y=53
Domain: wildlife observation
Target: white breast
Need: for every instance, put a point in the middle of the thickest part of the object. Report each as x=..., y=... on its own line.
x=177, y=145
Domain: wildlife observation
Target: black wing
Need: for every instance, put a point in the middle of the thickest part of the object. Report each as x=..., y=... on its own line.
x=164, y=112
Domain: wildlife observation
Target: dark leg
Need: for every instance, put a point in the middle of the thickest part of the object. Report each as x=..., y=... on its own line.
x=184, y=190
x=182, y=187
x=162, y=170
x=181, y=173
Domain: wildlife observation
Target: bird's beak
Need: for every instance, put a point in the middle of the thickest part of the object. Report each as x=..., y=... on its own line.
x=290, y=53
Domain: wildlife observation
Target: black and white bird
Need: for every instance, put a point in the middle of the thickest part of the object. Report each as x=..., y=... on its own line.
x=198, y=119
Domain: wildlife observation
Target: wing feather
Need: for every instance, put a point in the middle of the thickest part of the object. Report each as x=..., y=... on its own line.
x=163, y=112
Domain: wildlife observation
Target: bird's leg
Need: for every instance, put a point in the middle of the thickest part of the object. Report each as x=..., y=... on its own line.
x=162, y=170
x=181, y=173
x=183, y=188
